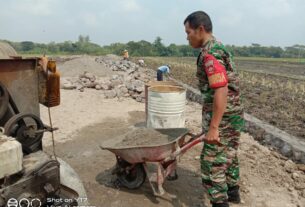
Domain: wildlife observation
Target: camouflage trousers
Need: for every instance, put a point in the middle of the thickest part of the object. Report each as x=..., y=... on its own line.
x=219, y=163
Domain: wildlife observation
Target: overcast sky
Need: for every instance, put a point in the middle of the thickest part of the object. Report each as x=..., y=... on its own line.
x=239, y=22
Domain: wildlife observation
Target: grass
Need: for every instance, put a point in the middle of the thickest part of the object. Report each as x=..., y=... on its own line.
x=262, y=59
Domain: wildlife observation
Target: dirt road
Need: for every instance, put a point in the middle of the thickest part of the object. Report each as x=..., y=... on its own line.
x=86, y=119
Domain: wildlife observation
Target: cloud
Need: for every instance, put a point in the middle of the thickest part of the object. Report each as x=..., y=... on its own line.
x=275, y=8
x=130, y=5
x=90, y=19
x=33, y=7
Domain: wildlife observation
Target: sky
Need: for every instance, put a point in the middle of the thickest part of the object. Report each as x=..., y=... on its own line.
x=238, y=22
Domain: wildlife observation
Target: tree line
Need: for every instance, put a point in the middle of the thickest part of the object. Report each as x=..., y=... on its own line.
x=144, y=48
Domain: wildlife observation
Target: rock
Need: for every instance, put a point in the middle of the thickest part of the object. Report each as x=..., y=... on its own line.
x=83, y=80
x=286, y=150
x=110, y=94
x=300, y=186
x=129, y=85
x=118, y=92
x=115, y=83
x=105, y=87
x=295, y=176
x=141, y=62
x=88, y=75
x=68, y=86
x=82, y=76
x=290, y=188
x=301, y=167
x=289, y=166
x=286, y=185
x=92, y=79
x=115, y=77
x=123, y=89
x=197, y=158
x=98, y=87
x=140, y=89
x=135, y=95
x=131, y=92
x=90, y=85
x=139, y=99
x=142, y=95
x=137, y=85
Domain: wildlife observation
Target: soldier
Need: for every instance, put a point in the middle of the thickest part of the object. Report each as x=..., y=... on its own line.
x=222, y=112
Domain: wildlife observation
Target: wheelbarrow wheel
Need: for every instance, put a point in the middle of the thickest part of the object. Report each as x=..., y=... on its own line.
x=134, y=178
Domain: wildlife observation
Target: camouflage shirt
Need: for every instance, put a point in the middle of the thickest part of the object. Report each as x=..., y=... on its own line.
x=215, y=68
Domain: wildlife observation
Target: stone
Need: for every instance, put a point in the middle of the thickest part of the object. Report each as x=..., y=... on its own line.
x=289, y=166
x=115, y=83
x=93, y=79
x=295, y=176
x=297, y=155
x=83, y=80
x=139, y=99
x=301, y=167
x=88, y=75
x=110, y=94
x=105, y=87
x=129, y=85
x=143, y=95
x=286, y=150
x=123, y=89
x=115, y=77
x=98, y=87
x=68, y=86
x=90, y=85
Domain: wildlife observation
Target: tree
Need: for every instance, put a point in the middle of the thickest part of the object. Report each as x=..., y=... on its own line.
x=27, y=46
x=160, y=48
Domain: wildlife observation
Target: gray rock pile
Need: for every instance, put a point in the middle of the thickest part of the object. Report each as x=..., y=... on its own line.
x=129, y=79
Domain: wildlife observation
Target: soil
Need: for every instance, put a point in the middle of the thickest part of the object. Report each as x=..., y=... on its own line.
x=147, y=137
x=80, y=64
x=285, y=68
x=6, y=50
x=86, y=120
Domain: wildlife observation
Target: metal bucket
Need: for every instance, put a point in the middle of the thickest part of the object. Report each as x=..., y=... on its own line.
x=166, y=106
x=155, y=83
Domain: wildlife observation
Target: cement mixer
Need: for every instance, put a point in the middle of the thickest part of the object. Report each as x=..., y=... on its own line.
x=28, y=175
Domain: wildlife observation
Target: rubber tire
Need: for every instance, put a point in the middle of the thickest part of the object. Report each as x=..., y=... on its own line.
x=133, y=182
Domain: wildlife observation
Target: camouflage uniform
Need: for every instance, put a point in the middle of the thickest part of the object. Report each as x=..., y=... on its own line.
x=219, y=163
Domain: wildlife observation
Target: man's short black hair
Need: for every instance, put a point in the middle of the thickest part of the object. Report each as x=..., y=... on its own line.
x=199, y=18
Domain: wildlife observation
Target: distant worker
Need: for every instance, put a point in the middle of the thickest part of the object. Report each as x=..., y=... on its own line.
x=125, y=55
x=163, y=70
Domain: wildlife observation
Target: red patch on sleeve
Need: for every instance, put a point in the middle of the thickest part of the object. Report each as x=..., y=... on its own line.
x=215, y=71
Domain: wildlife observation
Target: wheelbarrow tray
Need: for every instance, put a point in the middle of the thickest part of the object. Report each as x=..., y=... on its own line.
x=151, y=153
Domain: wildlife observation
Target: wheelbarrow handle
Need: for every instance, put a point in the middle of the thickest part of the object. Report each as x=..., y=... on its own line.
x=196, y=139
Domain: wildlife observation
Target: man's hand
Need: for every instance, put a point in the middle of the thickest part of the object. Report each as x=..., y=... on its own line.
x=212, y=137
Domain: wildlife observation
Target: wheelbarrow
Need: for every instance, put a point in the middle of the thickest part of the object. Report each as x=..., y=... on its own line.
x=135, y=163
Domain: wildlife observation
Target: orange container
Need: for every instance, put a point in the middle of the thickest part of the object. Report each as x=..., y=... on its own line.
x=53, y=89
x=50, y=91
